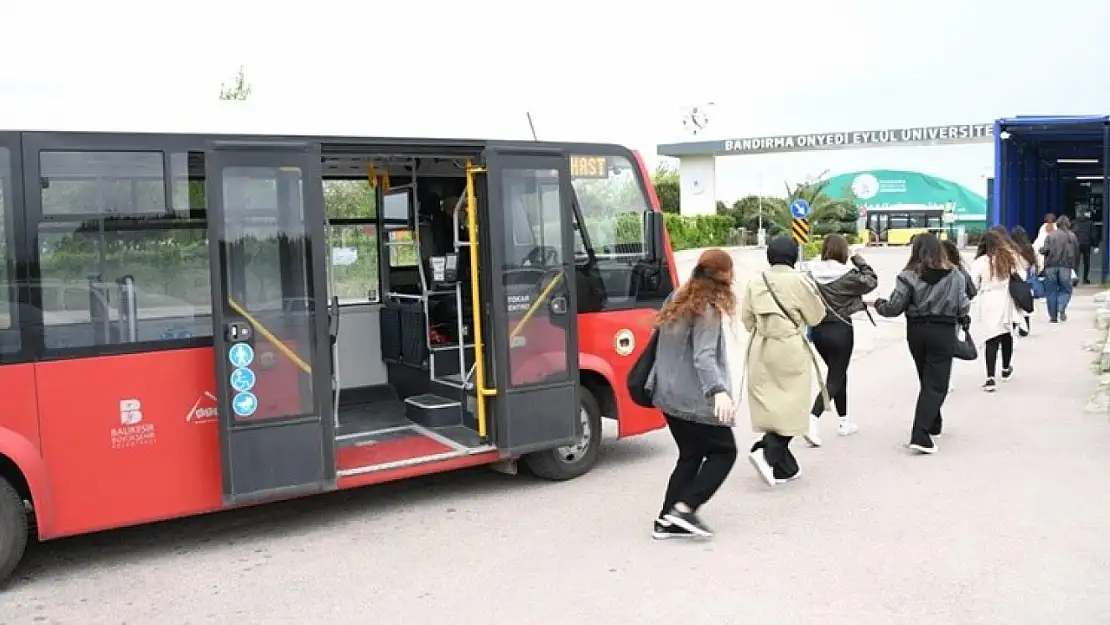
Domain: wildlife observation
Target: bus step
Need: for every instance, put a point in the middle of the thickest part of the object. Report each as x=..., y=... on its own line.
x=433, y=411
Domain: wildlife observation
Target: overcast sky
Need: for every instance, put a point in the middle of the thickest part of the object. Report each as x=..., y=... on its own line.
x=605, y=70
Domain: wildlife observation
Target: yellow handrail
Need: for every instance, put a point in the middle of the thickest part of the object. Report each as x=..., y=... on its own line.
x=475, y=303
x=275, y=341
x=535, y=306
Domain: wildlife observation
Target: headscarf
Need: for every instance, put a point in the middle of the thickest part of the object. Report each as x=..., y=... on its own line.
x=782, y=250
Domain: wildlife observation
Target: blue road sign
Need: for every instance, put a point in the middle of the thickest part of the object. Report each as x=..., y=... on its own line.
x=799, y=209
x=244, y=404
x=242, y=379
x=241, y=355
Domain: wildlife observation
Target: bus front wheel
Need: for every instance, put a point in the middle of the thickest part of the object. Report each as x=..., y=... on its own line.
x=577, y=458
x=13, y=529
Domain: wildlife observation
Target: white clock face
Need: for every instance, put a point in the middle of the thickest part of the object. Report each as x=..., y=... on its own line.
x=696, y=187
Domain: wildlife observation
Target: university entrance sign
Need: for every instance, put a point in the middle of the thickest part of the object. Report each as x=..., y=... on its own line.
x=853, y=139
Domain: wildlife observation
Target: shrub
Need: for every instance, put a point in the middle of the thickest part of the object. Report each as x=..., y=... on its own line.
x=692, y=231
x=812, y=249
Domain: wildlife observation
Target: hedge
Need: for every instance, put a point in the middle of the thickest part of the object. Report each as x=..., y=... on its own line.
x=692, y=231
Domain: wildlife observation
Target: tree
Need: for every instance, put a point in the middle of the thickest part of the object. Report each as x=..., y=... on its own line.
x=746, y=212
x=240, y=89
x=666, y=183
x=826, y=214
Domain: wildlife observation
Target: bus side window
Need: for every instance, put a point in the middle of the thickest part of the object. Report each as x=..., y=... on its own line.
x=9, y=332
x=107, y=217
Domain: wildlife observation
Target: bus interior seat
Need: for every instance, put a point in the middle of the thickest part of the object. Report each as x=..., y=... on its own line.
x=403, y=334
x=361, y=351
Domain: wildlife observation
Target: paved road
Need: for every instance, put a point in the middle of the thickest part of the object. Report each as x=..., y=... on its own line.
x=1005, y=525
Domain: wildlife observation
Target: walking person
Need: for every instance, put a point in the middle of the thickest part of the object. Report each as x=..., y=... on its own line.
x=995, y=310
x=1061, y=258
x=842, y=279
x=1048, y=226
x=1084, y=230
x=981, y=248
x=1032, y=264
x=778, y=306
x=952, y=252
x=692, y=386
x=932, y=295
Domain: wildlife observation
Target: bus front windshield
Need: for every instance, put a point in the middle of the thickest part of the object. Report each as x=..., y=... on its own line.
x=612, y=204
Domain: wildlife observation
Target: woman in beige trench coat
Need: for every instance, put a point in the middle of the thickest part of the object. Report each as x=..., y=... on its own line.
x=778, y=306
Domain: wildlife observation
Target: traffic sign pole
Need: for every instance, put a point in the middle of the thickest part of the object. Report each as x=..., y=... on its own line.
x=799, y=229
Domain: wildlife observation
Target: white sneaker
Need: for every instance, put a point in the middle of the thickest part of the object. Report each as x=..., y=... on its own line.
x=846, y=428
x=789, y=479
x=811, y=436
x=759, y=461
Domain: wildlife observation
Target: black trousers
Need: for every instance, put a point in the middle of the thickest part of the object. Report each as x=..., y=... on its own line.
x=1005, y=342
x=834, y=340
x=1085, y=262
x=932, y=345
x=776, y=450
x=706, y=454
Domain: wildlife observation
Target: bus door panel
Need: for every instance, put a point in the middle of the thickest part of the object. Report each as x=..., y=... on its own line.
x=534, y=332
x=270, y=314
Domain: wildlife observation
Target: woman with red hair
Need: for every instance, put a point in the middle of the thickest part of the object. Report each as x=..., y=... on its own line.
x=692, y=385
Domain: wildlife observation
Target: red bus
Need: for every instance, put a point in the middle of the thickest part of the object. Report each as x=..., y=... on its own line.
x=195, y=322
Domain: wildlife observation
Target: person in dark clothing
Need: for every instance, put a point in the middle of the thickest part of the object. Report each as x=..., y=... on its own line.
x=1061, y=259
x=691, y=384
x=842, y=279
x=1024, y=248
x=933, y=296
x=1084, y=230
x=952, y=252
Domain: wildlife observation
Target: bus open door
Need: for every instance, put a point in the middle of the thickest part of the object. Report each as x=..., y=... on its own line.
x=531, y=356
x=270, y=316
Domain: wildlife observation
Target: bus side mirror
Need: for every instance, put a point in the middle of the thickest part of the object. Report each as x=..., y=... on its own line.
x=654, y=228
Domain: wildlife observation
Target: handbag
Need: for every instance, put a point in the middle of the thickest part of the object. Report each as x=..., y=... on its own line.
x=1036, y=284
x=640, y=373
x=808, y=346
x=1021, y=293
x=965, y=345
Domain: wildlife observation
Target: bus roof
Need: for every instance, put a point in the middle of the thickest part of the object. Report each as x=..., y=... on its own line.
x=371, y=119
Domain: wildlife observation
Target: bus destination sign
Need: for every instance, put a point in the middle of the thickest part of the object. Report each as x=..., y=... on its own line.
x=589, y=167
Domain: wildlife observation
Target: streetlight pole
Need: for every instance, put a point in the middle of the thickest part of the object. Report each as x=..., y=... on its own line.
x=760, y=235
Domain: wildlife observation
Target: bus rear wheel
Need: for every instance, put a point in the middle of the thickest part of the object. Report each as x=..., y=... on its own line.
x=577, y=458
x=14, y=529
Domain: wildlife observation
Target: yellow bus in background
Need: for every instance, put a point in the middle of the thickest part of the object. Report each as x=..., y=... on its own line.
x=897, y=224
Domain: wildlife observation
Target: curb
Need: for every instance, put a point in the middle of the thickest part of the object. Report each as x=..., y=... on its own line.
x=1102, y=324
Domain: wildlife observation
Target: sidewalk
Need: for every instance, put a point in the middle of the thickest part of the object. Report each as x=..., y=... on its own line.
x=1005, y=525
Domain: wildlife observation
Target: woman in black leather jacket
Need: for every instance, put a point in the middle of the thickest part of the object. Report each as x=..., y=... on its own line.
x=932, y=294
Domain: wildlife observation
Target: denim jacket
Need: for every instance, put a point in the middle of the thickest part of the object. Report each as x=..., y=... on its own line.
x=691, y=366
